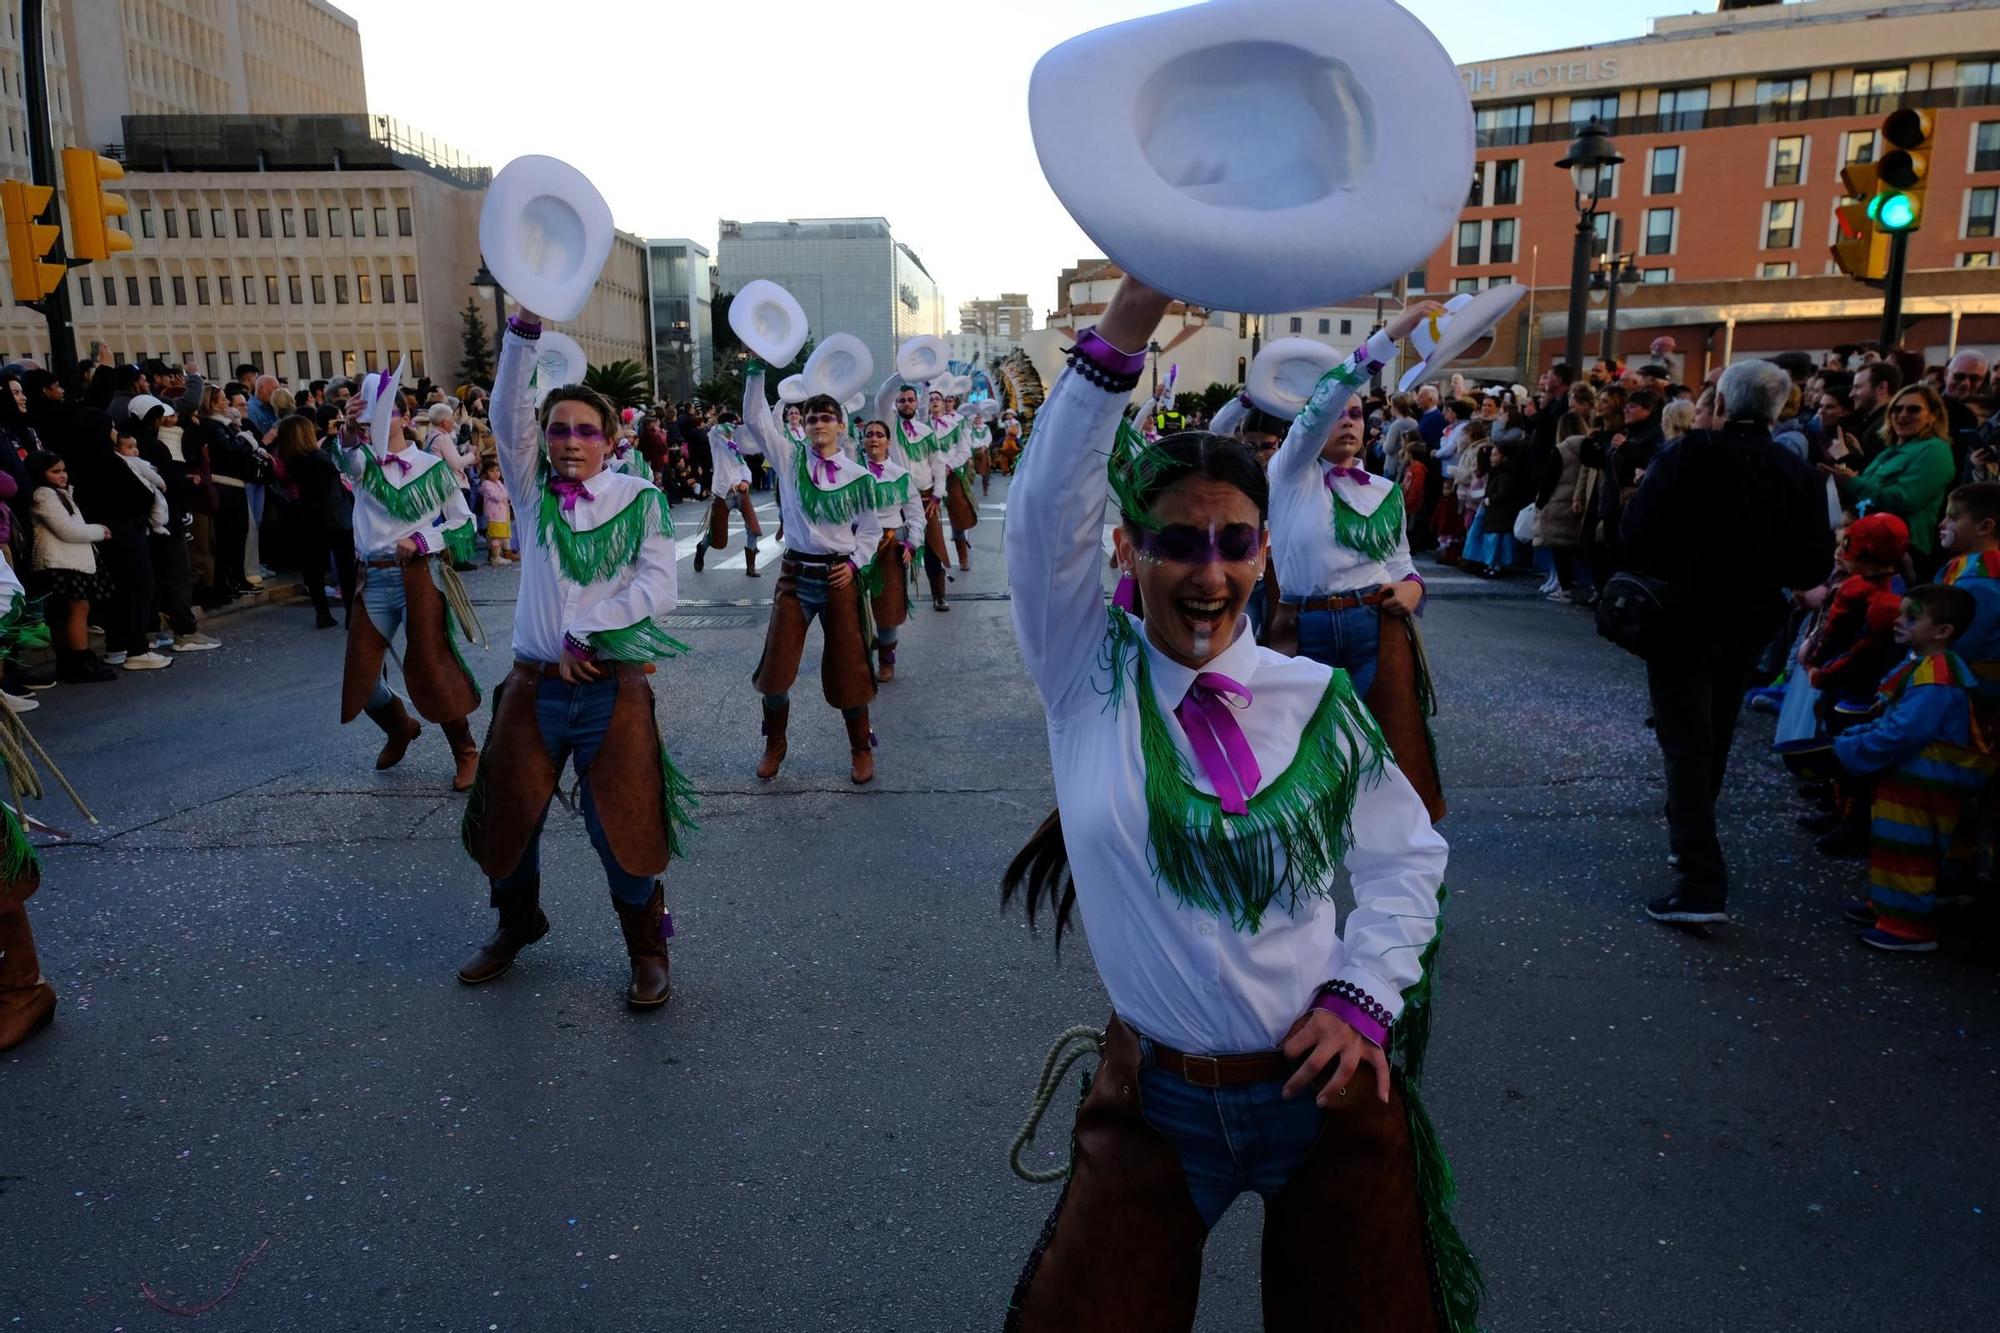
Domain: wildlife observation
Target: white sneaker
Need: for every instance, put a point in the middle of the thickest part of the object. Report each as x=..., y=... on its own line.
x=19, y=703
x=1562, y=595
x=196, y=642
x=147, y=662
x=114, y=659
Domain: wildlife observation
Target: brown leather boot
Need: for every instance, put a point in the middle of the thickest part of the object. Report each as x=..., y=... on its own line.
x=964, y=552
x=27, y=1000
x=937, y=589
x=861, y=741
x=647, y=929
x=399, y=727
x=750, y=563
x=522, y=922
x=885, y=665
x=774, y=742
x=465, y=750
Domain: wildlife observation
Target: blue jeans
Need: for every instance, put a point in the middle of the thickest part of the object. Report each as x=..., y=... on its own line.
x=1347, y=639
x=382, y=595
x=572, y=720
x=1229, y=1139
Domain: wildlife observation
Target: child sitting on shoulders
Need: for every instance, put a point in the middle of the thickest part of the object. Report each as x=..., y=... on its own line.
x=1929, y=760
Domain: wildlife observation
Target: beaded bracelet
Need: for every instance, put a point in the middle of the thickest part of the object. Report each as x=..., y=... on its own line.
x=577, y=648
x=526, y=328
x=1108, y=380
x=1356, y=1007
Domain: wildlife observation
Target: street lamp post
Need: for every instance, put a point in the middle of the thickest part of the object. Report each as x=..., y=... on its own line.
x=1613, y=271
x=489, y=287
x=1591, y=157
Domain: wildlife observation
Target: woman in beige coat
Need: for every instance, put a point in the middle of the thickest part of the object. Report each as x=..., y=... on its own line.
x=1559, y=513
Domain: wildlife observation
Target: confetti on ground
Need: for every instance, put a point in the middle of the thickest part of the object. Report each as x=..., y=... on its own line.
x=188, y=1311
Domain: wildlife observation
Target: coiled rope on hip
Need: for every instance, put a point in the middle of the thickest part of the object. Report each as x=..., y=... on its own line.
x=1074, y=1044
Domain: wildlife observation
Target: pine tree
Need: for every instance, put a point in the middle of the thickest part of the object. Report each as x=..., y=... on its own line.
x=476, y=365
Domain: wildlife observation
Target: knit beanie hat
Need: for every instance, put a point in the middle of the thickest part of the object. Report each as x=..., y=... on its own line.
x=1881, y=538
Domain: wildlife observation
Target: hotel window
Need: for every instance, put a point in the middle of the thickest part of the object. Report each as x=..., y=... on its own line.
x=1465, y=285
x=371, y=359
x=146, y=223
x=295, y=289
x=340, y=289
x=1980, y=206
x=173, y=221
x=1507, y=182
x=1879, y=89
x=410, y=288
x=1659, y=231
x=1501, y=126
x=312, y=222
x=1788, y=160
x=194, y=224
x=1986, y=146
x=417, y=362
x=1502, y=251
x=153, y=290
x=1469, y=234
x=388, y=288
x=1682, y=108
x=1298, y=325
x=216, y=226
x=347, y=363
x=288, y=223
x=404, y=226
x=1583, y=110
x=1781, y=224
x=1857, y=147
x=1665, y=177
x=1975, y=82
x=334, y=219
x=264, y=223
x=1785, y=269
x=1781, y=99
x=1656, y=275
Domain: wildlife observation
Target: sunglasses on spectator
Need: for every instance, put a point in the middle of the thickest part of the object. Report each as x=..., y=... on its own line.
x=1186, y=544
x=820, y=418
x=1907, y=409
x=584, y=432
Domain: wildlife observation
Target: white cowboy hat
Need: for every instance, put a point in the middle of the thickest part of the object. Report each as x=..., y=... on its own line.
x=1466, y=319
x=545, y=233
x=924, y=357
x=1282, y=377
x=769, y=321
x=856, y=403
x=378, y=397
x=838, y=367
x=792, y=389
x=558, y=361
x=1258, y=155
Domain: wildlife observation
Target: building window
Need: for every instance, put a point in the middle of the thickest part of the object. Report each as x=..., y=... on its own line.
x=1500, y=126
x=302, y=366
x=1682, y=108
x=312, y=222
x=347, y=364
x=249, y=290
x=1782, y=269
x=410, y=288
x=417, y=362
x=1975, y=82
x=226, y=289
x=146, y=223
x=1879, y=89
x=319, y=289
x=1980, y=260
x=1326, y=326
x=1346, y=327
x=173, y=221
x=1857, y=148
x=1986, y=146
x=1507, y=182
x=288, y=223
x=111, y=291
x=388, y=287
x=201, y=291
x=404, y=224
x=264, y=223
x=1465, y=285
x=1788, y=160
x=270, y=289
x=334, y=219
x=340, y=289
x=1665, y=177
x=1476, y=197
x=153, y=290
x=1781, y=224
x=1600, y=232
x=1583, y=110
x=1298, y=325
x=294, y=289
x=359, y=226
x=242, y=224
x=1781, y=99
x=372, y=359
x=180, y=291
x=1414, y=281
x=1980, y=206
x=1468, y=242
x=325, y=364
x=364, y=289
x=1659, y=231
x=1607, y=182
x=381, y=222
x=1656, y=275
x=83, y=290
x=216, y=228
x=194, y=224
x=1503, y=241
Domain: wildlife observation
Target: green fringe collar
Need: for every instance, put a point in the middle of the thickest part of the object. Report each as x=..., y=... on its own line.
x=1373, y=535
x=1230, y=864
x=893, y=491
x=840, y=504
x=416, y=498
x=923, y=446
x=602, y=552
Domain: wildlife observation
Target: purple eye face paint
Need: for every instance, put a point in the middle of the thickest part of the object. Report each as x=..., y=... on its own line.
x=1185, y=544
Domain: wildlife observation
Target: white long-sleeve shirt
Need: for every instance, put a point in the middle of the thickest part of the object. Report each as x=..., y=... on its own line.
x=803, y=533
x=1310, y=558
x=376, y=530
x=730, y=470
x=551, y=606
x=1177, y=973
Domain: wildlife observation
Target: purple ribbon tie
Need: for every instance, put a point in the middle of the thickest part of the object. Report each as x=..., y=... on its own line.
x=1209, y=720
x=399, y=461
x=1359, y=476
x=831, y=467
x=875, y=468
x=570, y=491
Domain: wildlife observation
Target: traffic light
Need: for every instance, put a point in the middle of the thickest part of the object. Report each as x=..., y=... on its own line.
x=1902, y=174
x=1861, y=249
x=28, y=241
x=91, y=235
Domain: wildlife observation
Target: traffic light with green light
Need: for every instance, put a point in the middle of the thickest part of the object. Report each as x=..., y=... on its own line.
x=1902, y=175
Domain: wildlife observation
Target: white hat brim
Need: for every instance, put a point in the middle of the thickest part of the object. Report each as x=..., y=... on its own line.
x=792, y=389
x=558, y=361
x=769, y=321
x=839, y=367
x=545, y=233
x=924, y=357
x=1463, y=326
x=1346, y=124
x=1282, y=377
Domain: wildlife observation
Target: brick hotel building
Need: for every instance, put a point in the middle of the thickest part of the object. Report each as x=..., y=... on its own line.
x=1734, y=126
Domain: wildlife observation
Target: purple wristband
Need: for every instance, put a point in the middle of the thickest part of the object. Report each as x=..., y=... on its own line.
x=1108, y=358
x=1356, y=1008
x=577, y=648
x=421, y=544
x=526, y=328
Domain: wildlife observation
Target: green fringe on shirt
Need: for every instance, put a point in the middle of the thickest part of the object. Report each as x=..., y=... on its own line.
x=1373, y=535
x=412, y=502
x=842, y=504
x=643, y=641
x=609, y=548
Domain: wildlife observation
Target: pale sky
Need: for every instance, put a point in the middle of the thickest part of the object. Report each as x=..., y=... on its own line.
x=761, y=109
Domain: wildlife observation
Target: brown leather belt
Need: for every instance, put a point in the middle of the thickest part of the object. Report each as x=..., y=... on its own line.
x=1223, y=1071
x=803, y=558
x=391, y=563
x=1346, y=603
x=553, y=670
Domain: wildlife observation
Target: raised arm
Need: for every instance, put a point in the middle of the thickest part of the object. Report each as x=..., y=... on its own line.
x=762, y=432
x=1056, y=506
x=511, y=413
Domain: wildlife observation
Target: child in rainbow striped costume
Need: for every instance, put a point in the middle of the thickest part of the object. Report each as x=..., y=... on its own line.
x=1929, y=758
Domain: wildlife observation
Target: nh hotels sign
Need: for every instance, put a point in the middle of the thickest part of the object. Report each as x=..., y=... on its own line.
x=1532, y=78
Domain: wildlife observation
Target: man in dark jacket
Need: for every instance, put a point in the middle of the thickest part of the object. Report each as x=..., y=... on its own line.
x=1728, y=519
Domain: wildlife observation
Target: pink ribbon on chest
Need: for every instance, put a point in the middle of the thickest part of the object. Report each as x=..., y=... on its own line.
x=828, y=468
x=570, y=492
x=399, y=461
x=1359, y=476
x=1220, y=746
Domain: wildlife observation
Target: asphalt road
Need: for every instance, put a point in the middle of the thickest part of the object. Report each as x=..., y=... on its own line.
x=261, y=1042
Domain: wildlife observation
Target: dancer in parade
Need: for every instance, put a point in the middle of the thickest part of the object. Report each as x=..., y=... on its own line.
x=1208, y=793
x=923, y=454
x=597, y=578
x=979, y=433
x=957, y=461
x=27, y=1000
x=828, y=503
x=731, y=490
x=901, y=517
x=410, y=523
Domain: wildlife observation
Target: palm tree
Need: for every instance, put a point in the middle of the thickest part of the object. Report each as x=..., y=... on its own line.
x=625, y=383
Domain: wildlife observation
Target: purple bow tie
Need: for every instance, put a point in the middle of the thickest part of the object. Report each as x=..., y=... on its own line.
x=873, y=467
x=570, y=491
x=1359, y=476
x=399, y=461
x=828, y=467
x=1209, y=720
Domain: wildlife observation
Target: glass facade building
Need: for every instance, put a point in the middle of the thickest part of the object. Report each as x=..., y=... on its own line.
x=683, y=327
x=850, y=275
